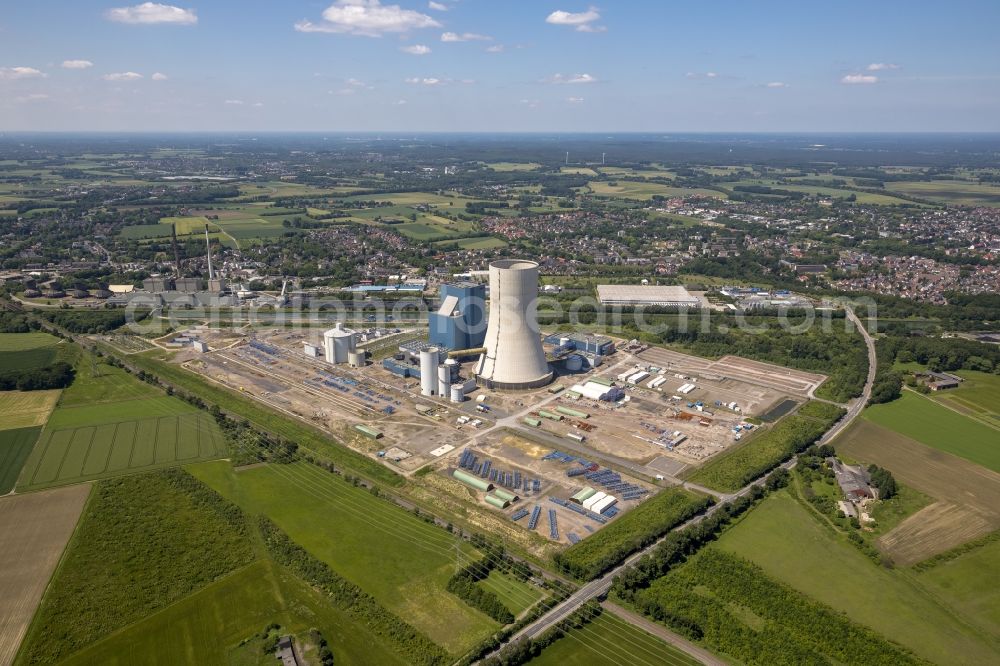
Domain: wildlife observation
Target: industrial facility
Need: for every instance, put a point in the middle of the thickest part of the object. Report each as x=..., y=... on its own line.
x=663, y=296
x=513, y=357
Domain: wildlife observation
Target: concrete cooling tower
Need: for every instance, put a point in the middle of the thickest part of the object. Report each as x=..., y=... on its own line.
x=514, y=358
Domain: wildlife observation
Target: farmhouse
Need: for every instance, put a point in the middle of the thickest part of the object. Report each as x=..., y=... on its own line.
x=853, y=480
x=938, y=381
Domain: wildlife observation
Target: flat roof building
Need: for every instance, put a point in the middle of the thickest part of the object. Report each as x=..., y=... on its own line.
x=630, y=294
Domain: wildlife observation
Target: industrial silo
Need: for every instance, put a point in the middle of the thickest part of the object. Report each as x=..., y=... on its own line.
x=356, y=359
x=574, y=363
x=514, y=358
x=428, y=371
x=457, y=394
x=338, y=343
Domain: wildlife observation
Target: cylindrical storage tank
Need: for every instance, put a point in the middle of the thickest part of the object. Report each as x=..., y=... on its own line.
x=514, y=358
x=444, y=374
x=473, y=481
x=574, y=363
x=457, y=394
x=452, y=366
x=497, y=502
x=444, y=389
x=428, y=371
x=356, y=359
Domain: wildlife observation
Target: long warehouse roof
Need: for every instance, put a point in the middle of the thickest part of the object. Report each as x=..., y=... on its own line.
x=645, y=294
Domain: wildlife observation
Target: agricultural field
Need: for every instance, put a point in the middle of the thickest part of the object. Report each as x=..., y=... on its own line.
x=636, y=173
x=36, y=528
x=21, y=409
x=513, y=166
x=209, y=626
x=967, y=495
x=480, y=243
x=412, y=199
x=783, y=538
x=102, y=383
x=951, y=192
x=829, y=192
x=349, y=529
x=577, y=171
x=967, y=583
x=518, y=596
x=610, y=641
x=978, y=396
x=144, y=542
x=645, y=191
x=27, y=351
x=15, y=447
x=933, y=424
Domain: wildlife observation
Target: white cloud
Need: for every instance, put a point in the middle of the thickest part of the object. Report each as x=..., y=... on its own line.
x=776, y=84
x=11, y=73
x=400, y=102
x=464, y=37
x=159, y=76
x=572, y=78
x=581, y=21
x=368, y=18
x=234, y=102
x=424, y=81
x=122, y=76
x=257, y=104
x=437, y=6
x=711, y=75
x=574, y=100
x=855, y=79
x=416, y=49
x=149, y=13
x=76, y=64
x=531, y=103
x=33, y=97
x=880, y=66
x=495, y=48
x=703, y=75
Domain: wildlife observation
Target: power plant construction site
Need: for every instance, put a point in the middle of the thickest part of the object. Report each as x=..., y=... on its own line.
x=559, y=432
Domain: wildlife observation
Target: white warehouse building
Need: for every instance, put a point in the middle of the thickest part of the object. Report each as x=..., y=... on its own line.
x=628, y=294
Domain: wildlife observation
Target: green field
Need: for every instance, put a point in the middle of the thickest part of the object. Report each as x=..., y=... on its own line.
x=15, y=446
x=516, y=595
x=400, y=560
x=481, y=243
x=829, y=192
x=968, y=585
x=320, y=444
x=208, y=626
x=100, y=383
x=410, y=199
x=644, y=191
x=143, y=542
x=978, y=395
x=954, y=192
x=26, y=351
x=611, y=641
x=513, y=166
x=783, y=538
x=930, y=423
x=96, y=447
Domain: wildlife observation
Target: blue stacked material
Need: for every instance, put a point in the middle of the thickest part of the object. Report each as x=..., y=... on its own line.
x=517, y=480
x=519, y=514
x=573, y=506
x=477, y=468
x=494, y=473
x=553, y=527
x=560, y=502
x=589, y=528
x=611, y=511
x=536, y=485
x=576, y=471
x=486, y=468
x=537, y=511
x=573, y=538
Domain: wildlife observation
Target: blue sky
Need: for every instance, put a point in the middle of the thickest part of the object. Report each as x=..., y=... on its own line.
x=503, y=65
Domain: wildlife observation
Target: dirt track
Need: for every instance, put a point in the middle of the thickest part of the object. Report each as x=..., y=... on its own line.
x=35, y=529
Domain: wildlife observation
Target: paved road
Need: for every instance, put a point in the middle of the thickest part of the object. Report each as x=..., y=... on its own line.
x=600, y=586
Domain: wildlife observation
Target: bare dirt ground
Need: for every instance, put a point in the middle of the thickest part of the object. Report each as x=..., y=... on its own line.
x=969, y=495
x=35, y=529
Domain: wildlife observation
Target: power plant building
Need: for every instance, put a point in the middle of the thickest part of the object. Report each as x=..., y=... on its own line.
x=514, y=358
x=459, y=322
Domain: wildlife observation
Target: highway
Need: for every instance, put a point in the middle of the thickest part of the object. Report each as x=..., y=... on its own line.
x=600, y=586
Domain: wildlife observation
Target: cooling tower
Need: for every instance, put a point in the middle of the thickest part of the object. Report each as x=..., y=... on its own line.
x=514, y=358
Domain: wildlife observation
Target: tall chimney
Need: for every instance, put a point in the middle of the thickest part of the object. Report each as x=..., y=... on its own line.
x=208, y=247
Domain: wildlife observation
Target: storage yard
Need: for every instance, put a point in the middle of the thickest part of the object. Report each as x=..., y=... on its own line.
x=579, y=426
